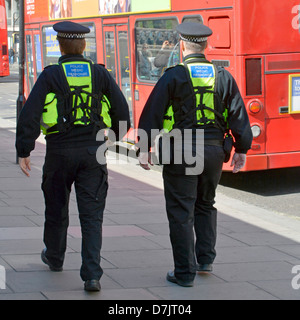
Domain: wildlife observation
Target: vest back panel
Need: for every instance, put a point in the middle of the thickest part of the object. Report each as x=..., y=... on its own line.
x=207, y=109
x=203, y=76
x=79, y=105
x=79, y=76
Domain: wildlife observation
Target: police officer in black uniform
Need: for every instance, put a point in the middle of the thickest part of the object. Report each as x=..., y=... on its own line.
x=195, y=95
x=72, y=101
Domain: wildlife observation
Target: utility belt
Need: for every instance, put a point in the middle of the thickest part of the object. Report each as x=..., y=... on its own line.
x=160, y=149
x=227, y=145
x=211, y=142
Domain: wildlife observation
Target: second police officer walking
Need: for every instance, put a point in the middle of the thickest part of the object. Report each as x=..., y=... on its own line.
x=72, y=101
x=195, y=95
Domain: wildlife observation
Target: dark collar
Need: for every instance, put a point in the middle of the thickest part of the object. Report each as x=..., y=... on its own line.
x=74, y=57
x=195, y=55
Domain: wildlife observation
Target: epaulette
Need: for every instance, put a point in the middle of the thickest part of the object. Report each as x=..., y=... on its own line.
x=51, y=65
x=169, y=68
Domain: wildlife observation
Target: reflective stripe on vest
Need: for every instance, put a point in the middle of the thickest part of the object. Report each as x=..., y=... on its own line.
x=79, y=78
x=49, y=117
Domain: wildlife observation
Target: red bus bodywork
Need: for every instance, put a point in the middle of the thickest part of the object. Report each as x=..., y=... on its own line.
x=257, y=41
x=4, y=62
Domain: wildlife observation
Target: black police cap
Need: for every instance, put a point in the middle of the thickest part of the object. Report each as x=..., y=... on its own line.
x=70, y=30
x=194, y=32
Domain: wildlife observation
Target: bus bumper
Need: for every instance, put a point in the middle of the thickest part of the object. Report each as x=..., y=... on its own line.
x=269, y=161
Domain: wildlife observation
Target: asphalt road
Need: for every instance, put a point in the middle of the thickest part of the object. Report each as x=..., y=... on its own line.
x=277, y=190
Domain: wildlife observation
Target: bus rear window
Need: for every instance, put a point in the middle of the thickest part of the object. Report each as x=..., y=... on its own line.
x=157, y=45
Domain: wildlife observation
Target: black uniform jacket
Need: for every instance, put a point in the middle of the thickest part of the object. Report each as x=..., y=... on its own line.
x=173, y=85
x=50, y=80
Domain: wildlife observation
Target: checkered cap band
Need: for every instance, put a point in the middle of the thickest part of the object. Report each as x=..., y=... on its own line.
x=193, y=39
x=71, y=35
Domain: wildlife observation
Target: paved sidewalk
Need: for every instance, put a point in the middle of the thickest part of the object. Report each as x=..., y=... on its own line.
x=257, y=249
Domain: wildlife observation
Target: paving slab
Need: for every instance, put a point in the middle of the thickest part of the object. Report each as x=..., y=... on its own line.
x=140, y=258
x=140, y=218
x=280, y=289
x=21, y=246
x=21, y=233
x=293, y=249
x=130, y=243
x=113, y=231
x=153, y=277
x=50, y=281
x=109, y=294
x=218, y=291
x=11, y=221
x=15, y=210
x=22, y=296
x=260, y=239
x=32, y=262
x=253, y=271
x=250, y=254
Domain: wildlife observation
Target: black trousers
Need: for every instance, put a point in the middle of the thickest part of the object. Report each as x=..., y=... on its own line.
x=62, y=168
x=190, y=207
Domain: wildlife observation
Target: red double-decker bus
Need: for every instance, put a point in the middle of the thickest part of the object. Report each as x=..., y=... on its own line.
x=4, y=54
x=256, y=40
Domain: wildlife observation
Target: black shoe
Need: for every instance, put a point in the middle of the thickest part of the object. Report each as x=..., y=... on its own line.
x=205, y=267
x=47, y=262
x=92, y=285
x=171, y=277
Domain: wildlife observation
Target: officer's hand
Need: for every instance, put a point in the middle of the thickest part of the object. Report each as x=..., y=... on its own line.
x=109, y=143
x=24, y=164
x=145, y=160
x=238, y=162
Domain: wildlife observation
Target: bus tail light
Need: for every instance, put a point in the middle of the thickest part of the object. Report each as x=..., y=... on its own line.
x=253, y=76
x=256, y=131
x=255, y=106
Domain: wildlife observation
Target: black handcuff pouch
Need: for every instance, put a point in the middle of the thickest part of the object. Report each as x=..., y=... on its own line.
x=228, y=145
